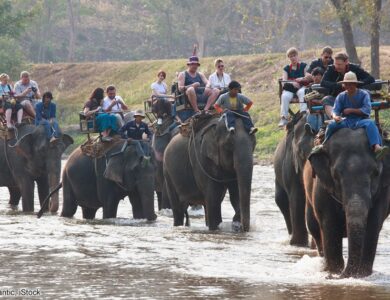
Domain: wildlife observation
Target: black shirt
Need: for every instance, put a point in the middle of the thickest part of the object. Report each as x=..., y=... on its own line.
x=332, y=77
x=318, y=63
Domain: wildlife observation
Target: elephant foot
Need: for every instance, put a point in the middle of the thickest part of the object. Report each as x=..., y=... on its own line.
x=236, y=226
x=13, y=207
x=351, y=272
x=53, y=206
x=152, y=218
x=299, y=242
x=335, y=269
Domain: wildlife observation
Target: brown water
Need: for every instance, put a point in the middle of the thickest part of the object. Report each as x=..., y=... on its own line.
x=124, y=258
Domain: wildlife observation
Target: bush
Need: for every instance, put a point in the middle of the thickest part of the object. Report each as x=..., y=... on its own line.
x=12, y=59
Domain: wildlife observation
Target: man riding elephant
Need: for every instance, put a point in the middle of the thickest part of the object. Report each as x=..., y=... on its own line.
x=194, y=84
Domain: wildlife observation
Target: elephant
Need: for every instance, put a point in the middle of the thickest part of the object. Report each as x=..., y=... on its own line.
x=32, y=158
x=161, y=138
x=289, y=160
x=102, y=182
x=348, y=195
x=200, y=168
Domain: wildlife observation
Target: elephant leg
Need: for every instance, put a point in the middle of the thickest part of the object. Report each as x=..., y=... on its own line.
x=314, y=227
x=43, y=191
x=27, y=192
x=281, y=199
x=159, y=200
x=69, y=203
x=89, y=213
x=214, y=193
x=235, y=200
x=110, y=206
x=177, y=207
x=164, y=198
x=136, y=203
x=374, y=225
x=331, y=225
x=297, y=203
x=15, y=195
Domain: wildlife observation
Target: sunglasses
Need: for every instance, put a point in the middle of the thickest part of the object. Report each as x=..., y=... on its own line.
x=221, y=66
x=327, y=57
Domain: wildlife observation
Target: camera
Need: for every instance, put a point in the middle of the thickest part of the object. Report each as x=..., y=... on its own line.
x=34, y=89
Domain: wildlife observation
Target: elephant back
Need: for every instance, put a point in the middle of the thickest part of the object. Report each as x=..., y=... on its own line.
x=97, y=149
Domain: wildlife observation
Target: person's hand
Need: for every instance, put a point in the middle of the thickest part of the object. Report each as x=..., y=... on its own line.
x=196, y=84
x=337, y=118
x=347, y=111
x=28, y=90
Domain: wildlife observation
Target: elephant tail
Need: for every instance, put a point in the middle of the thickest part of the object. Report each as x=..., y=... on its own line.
x=56, y=189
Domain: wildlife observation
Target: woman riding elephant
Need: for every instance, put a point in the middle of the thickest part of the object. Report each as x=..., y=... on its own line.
x=289, y=160
x=348, y=195
x=102, y=182
x=200, y=168
x=32, y=158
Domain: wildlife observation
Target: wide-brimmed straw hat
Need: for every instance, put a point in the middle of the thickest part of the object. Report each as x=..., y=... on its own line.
x=193, y=60
x=350, y=77
x=139, y=112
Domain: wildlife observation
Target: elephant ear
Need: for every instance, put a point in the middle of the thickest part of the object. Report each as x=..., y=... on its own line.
x=67, y=140
x=24, y=146
x=115, y=169
x=320, y=163
x=209, y=146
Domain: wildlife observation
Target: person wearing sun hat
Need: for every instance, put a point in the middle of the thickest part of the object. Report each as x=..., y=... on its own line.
x=195, y=83
x=138, y=130
x=352, y=110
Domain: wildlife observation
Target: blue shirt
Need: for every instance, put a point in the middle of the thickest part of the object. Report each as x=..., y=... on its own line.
x=361, y=100
x=44, y=113
x=131, y=130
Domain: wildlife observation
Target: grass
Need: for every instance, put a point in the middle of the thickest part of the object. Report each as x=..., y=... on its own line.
x=72, y=83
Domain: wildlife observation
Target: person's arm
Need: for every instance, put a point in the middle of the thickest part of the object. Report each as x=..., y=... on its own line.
x=53, y=110
x=38, y=113
x=219, y=104
x=37, y=94
x=123, y=130
x=247, y=102
x=328, y=81
x=210, y=82
x=123, y=105
x=337, y=108
x=180, y=81
x=147, y=131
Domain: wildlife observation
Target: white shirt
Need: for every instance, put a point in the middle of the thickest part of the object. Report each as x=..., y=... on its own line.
x=220, y=83
x=116, y=108
x=160, y=88
x=20, y=88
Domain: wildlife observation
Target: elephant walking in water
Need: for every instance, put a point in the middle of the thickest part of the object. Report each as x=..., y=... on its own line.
x=102, y=182
x=200, y=168
x=289, y=160
x=348, y=194
x=32, y=158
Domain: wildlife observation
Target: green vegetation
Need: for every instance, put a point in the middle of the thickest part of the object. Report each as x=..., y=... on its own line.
x=73, y=83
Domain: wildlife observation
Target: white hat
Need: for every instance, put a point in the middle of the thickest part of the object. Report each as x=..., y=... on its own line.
x=139, y=112
x=350, y=77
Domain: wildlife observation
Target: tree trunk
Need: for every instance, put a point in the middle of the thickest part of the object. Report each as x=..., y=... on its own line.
x=347, y=30
x=375, y=34
x=71, y=32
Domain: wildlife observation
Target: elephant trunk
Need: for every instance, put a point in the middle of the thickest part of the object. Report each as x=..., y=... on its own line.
x=146, y=192
x=243, y=164
x=356, y=210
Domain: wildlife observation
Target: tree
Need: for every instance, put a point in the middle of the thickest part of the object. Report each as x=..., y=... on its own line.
x=72, y=36
x=343, y=8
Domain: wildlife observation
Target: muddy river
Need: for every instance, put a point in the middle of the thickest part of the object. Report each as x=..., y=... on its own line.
x=59, y=258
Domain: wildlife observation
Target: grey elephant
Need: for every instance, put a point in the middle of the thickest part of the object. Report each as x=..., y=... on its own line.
x=348, y=195
x=198, y=169
x=28, y=159
x=102, y=182
x=289, y=160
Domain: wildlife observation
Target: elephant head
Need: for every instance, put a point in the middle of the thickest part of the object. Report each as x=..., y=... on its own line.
x=128, y=170
x=347, y=169
x=302, y=143
x=231, y=155
x=43, y=157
